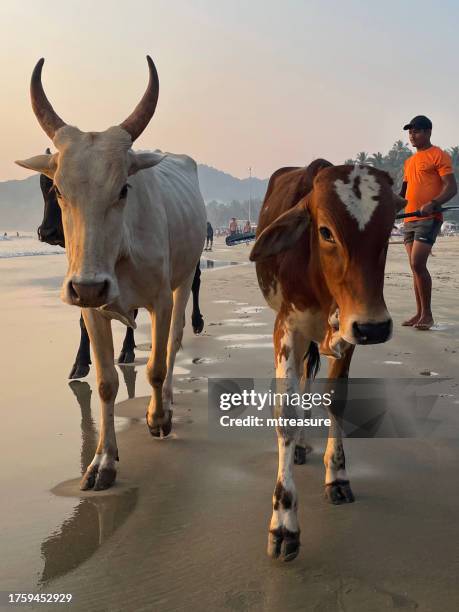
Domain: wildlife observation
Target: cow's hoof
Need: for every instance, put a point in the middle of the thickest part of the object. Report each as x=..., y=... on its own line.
x=283, y=544
x=197, y=324
x=78, y=371
x=89, y=479
x=301, y=452
x=339, y=492
x=162, y=426
x=98, y=478
x=126, y=356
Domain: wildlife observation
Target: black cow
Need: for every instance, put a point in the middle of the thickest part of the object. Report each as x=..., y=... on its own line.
x=52, y=232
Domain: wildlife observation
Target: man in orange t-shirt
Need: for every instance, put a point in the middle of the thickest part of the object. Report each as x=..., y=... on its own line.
x=428, y=183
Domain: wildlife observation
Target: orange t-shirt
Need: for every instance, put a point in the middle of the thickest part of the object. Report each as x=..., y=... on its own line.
x=423, y=172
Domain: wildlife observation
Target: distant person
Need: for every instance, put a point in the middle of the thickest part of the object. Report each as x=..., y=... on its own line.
x=233, y=227
x=428, y=183
x=247, y=230
x=17, y=234
x=209, y=237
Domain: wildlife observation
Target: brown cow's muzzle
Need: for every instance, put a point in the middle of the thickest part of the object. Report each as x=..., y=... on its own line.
x=89, y=295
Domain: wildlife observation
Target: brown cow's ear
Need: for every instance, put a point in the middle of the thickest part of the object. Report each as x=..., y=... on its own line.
x=399, y=202
x=45, y=164
x=283, y=233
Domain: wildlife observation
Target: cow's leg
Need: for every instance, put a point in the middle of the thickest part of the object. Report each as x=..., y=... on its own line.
x=337, y=486
x=159, y=416
x=284, y=532
x=80, y=368
x=101, y=472
x=181, y=296
x=310, y=363
x=127, y=354
x=196, y=318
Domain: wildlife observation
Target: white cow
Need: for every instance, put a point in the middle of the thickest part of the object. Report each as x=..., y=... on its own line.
x=130, y=243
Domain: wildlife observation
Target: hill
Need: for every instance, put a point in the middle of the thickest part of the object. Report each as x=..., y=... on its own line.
x=21, y=203
x=223, y=187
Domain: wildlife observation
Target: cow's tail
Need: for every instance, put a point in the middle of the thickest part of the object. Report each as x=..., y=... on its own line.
x=312, y=358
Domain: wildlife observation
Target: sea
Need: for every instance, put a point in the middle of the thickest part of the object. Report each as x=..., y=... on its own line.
x=25, y=245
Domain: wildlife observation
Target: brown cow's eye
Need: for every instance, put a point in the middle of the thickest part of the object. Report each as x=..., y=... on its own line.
x=326, y=234
x=56, y=190
x=124, y=192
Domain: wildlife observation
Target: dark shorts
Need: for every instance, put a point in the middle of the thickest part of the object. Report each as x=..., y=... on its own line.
x=424, y=230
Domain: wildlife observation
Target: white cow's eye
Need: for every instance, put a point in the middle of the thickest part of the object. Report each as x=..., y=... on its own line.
x=326, y=234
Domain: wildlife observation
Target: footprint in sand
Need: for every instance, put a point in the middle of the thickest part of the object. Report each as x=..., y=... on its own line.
x=250, y=309
x=205, y=360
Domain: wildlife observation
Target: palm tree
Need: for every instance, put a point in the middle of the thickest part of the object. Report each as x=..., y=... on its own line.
x=377, y=160
x=362, y=158
x=349, y=162
x=395, y=160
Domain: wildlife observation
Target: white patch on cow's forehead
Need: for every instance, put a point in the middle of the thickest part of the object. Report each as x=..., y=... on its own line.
x=363, y=207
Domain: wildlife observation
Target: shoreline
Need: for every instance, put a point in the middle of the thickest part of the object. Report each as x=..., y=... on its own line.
x=194, y=506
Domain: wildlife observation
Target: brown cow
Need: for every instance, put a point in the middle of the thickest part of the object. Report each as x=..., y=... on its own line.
x=320, y=254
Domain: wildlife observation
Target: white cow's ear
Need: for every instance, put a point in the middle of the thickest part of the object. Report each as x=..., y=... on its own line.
x=45, y=164
x=283, y=233
x=139, y=161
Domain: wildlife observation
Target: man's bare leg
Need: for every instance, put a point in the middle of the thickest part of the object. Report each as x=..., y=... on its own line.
x=419, y=255
x=413, y=320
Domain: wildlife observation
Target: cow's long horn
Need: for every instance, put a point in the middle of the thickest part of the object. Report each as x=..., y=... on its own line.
x=44, y=112
x=143, y=112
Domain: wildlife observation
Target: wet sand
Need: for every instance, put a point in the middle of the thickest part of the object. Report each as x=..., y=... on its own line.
x=185, y=526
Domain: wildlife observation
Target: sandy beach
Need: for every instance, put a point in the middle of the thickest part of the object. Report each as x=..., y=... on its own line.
x=185, y=527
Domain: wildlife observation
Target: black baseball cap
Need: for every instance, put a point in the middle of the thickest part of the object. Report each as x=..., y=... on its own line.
x=420, y=122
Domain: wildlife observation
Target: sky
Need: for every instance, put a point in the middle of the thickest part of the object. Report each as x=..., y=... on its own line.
x=261, y=83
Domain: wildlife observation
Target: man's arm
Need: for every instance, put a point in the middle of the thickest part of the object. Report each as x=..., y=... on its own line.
x=448, y=191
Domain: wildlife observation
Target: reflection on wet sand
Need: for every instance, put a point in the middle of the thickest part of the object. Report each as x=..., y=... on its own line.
x=93, y=521
x=216, y=263
x=95, y=517
x=129, y=375
x=82, y=391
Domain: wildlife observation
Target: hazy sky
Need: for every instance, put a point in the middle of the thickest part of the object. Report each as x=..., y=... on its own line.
x=255, y=83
